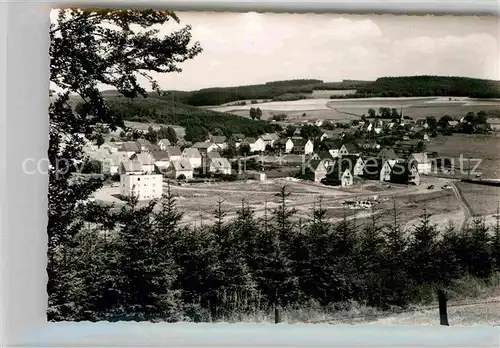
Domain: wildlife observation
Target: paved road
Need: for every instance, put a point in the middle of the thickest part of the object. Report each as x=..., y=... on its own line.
x=465, y=207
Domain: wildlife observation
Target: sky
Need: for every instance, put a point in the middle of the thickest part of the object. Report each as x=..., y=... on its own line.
x=252, y=48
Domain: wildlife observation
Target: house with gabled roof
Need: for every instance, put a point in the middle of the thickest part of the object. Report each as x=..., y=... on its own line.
x=131, y=166
x=181, y=168
x=219, y=166
x=163, y=143
x=284, y=145
x=204, y=147
x=193, y=156
x=422, y=161
x=354, y=163
x=174, y=153
x=269, y=138
x=326, y=156
x=348, y=149
x=130, y=148
x=237, y=139
x=147, y=161
x=255, y=144
x=219, y=140
x=143, y=143
x=405, y=173
x=162, y=159
x=318, y=169
x=377, y=169
x=388, y=154
x=303, y=146
x=339, y=174
x=115, y=161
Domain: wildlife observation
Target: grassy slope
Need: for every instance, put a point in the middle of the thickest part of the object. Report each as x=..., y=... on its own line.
x=197, y=121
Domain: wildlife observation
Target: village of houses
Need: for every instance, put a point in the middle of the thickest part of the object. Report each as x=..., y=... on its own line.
x=343, y=169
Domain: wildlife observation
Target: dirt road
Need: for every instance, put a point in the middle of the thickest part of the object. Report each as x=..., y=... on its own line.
x=465, y=207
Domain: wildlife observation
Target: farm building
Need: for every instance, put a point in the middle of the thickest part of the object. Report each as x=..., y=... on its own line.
x=303, y=146
x=326, y=135
x=131, y=166
x=284, y=145
x=388, y=154
x=193, y=156
x=423, y=163
x=182, y=168
x=163, y=143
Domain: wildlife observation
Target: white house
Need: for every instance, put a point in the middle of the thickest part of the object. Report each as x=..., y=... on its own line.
x=269, y=138
x=218, y=140
x=220, y=165
x=193, y=156
x=174, y=153
x=205, y=147
x=346, y=179
x=318, y=123
x=284, y=145
x=114, y=163
x=423, y=162
x=354, y=163
x=162, y=159
x=143, y=144
x=182, y=167
x=303, y=146
x=319, y=168
x=134, y=182
x=334, y=152
x=147, y=161
x=130, y=148
x=164, y=143
x=255, y=144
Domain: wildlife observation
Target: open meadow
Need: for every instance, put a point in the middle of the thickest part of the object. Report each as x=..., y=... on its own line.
x=348, y=109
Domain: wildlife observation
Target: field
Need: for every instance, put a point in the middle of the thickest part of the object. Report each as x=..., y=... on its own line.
x=483, y=147
x=342, y=109
x=483, y=200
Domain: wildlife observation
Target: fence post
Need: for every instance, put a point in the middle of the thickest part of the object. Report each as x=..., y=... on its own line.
x=443, y=311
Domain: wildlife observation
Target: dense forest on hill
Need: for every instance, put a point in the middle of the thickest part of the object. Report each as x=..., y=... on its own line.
x=269, y=91
x=198, y=122
x=422, y=86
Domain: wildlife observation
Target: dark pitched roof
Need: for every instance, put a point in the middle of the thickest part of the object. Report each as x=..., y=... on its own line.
x=281, y=141
x=351, y=148
x=130, y=146
x=213, y=154
x=300, y=142
x=174, y=151
x=238, y=136
x=202, y=145
x=387, y=153
x=160, y=155
x=250, y=140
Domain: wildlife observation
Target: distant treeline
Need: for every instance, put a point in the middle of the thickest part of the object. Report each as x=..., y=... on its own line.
x=274, y=90
x=197, y=122
x=422, y=86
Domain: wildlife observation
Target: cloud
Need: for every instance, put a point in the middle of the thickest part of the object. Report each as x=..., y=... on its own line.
x=247, y=48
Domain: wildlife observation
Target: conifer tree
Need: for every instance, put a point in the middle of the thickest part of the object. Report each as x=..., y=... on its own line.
x=495, y=242
x=395, y=279
x=423, y=251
